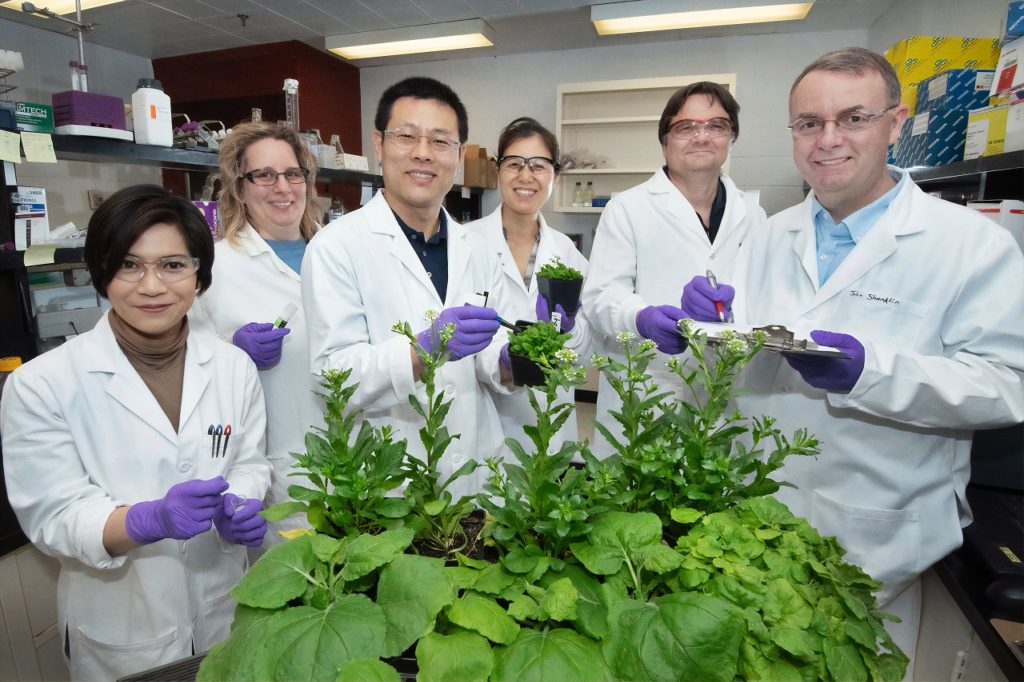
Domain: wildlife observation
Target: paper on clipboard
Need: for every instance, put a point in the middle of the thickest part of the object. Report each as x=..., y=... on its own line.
x=779, y=339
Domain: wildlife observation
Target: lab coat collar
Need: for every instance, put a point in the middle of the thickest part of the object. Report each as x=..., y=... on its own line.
x=101, y=354
x=492, y=223
x=252, y=244
x=683, y=211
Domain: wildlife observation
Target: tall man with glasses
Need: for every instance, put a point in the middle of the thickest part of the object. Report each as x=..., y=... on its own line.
x=924, y=299
x=686, y=218
x=393, y=260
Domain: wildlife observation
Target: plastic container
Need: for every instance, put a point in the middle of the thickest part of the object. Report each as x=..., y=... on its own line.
x=151, y=114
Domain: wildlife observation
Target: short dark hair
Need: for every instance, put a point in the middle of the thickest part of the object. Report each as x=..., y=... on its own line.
x=126, y=214
x=420, y=87
x=857, y=61
x=524, y=127
x=713, y=90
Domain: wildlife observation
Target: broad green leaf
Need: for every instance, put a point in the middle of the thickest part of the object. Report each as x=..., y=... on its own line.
x=325, y=547
x=368, y=552
x=282, y=511
x=801, y=643
x=461, y=577
x=684, y=636
x=560, y=600
x=599, y=559
x=471, y=562
x=435, y=507
x=784, y=606
x=304, y=494
x=844, y=662
x=493, y=579
x=463, y=656
x=367, y=670
x=557, y=655
x=393, y=507
x=626, y=531
x=303, y=643
x=525, y=608
x=279, y=576
x=591, y=611
x=520, y=561
x=659, y=558
x=231, y=659
x=483, y=615
x=412, y=590
x=686, y=515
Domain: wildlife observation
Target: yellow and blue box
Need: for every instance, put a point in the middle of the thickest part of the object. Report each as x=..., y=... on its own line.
x=955, y=89
x=919, y=57
x=933, y=138
x=986, y=131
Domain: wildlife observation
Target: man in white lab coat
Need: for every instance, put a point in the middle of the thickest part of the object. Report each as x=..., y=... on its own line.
x=393, y=260
x=924, y=296
x=686, y=218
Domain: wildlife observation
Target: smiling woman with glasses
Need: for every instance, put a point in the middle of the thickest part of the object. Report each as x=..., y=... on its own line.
x=106, y=454
x=268, y=176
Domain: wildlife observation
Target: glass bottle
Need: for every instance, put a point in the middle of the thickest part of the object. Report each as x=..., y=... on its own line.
x=588, y=195
x=577, y=195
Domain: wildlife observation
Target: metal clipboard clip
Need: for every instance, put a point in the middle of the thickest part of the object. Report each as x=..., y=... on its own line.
x=781, y=340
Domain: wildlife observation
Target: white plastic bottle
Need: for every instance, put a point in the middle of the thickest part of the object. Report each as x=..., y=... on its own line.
x=151, y=114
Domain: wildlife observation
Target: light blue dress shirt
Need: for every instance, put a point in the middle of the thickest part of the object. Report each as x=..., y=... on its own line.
x=836, y=241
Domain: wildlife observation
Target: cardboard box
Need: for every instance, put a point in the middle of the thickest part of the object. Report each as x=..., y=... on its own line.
x=479, y=171
x=1014, y=20
x=1009, y=71
x=986, y=131
x=908, y=96
x=955, y=89
x=1014, y=137
x=933, y=138
x=919, y=57
x=1009, y=213
x=33, y=117
x=31, y=224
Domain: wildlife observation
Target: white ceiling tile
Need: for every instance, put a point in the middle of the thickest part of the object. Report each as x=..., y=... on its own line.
x=189, y=9
x=494, y=8
x=446, y=10
x=401, y=13
x=353, y=13
x=545, y=5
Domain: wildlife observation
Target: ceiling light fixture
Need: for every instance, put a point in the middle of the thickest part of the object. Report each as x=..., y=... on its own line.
x=453, y=35
x=665, y=15
x=59, y=6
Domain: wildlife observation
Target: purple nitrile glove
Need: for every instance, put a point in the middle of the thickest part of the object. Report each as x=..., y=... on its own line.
x=262, y=341
x=698, y=300
x=658, y=323
x=541, y=308
x=186, y=510
x=474, y=328
x=503, y=358
x=837, y=375
x=238, y=520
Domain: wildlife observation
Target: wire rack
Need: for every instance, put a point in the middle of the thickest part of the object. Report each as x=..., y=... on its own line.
x=4, y=87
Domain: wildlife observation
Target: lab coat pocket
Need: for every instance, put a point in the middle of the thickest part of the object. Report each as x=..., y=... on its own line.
x=215, y=626
x=897, y=321
x=885, y=543
x=93, y=659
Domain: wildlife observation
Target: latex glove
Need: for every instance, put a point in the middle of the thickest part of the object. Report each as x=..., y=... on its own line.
x=838, y=375
x=541, y=308
x=238, y=520
x=474, y=328
x=262, y=341
x=698, y=301
x=186, y=510
x=658, y=323
x=503, y=358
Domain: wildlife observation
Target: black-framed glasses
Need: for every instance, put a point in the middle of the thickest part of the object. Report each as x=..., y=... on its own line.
x=169, y=269
x=538, y=165
x=691, y=128
x=268, y=176
x=850, y=121
x=406, y=138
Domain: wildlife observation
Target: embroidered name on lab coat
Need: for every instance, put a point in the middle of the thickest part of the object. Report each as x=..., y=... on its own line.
x=889, y=300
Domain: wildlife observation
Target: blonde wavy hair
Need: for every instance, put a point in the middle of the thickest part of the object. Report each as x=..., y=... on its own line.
x=230, y=207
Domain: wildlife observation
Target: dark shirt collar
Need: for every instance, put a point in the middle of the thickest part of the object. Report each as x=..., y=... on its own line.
x=438, y=237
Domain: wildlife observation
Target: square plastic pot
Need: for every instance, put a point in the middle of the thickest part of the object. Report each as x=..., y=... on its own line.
x=563, y=292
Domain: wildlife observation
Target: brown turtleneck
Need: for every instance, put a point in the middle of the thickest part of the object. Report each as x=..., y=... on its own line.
x=160, y=361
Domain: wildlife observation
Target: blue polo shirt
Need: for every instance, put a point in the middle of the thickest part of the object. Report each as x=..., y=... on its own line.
x=433, y=252
x=835, y=241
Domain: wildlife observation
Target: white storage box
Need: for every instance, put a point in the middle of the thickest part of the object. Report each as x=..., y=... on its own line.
x=1009, y=213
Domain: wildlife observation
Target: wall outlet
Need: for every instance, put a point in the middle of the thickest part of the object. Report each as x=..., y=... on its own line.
x=96, y=198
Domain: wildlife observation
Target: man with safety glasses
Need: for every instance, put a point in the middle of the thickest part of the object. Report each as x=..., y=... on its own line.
x=686, y=218
x=922, y=302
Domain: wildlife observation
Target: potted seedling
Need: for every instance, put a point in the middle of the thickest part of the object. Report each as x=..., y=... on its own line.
x=531, y=349
x=560, y=285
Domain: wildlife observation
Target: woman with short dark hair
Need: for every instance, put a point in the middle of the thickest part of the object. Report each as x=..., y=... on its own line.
x=120, y=447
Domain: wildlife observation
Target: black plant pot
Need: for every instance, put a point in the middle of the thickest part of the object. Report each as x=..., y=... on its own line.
x=525, y=372
x=563, y=292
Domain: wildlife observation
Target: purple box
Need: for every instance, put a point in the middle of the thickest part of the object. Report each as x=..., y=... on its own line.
x=74, y=107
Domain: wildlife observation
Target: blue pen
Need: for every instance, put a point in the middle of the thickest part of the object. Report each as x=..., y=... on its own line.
x=506, y=323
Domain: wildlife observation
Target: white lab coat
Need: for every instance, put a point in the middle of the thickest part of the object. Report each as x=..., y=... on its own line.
x=935, y=292
x=649, y=243
x=251, y=284
x=519, y=303
x=361, y=276
x=82, y=434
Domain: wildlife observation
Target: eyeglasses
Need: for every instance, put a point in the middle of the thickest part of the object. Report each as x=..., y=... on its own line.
x=538, y=165
x=851, y=122
x=268, y=176
x=691, y=128
x=169, y=269
x=406, y=138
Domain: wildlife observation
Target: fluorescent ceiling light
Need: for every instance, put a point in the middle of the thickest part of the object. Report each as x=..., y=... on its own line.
x=453, y=35
x=658, y=15
x=59, y=6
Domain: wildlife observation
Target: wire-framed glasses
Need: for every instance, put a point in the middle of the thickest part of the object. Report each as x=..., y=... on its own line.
x=406, y=138
x=691, y=128
x=169, y=269
x=268, y=176
x=850, y=121
x=538, y=165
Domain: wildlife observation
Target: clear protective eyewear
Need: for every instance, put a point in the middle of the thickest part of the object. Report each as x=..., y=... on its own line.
x=169, y=269
x=268, y=176
x=850, y=122
x=691, y=128
x=406, y=138
x=538, y=165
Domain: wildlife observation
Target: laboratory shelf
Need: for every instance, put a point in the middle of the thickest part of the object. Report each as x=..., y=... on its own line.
x=62, y=257
x=988, y=178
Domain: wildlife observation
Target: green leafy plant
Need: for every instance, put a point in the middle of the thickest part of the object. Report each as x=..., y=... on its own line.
x=540, y=342
x=556, y=269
